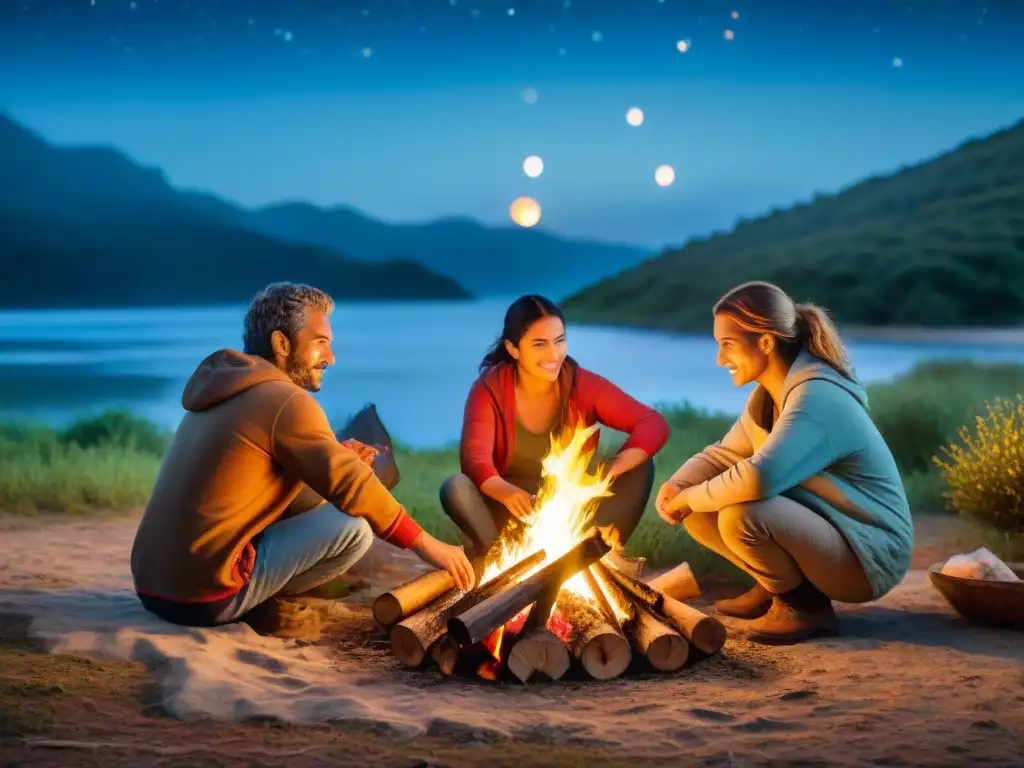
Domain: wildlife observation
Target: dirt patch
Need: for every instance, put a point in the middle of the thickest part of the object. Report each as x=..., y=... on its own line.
x=907, y=683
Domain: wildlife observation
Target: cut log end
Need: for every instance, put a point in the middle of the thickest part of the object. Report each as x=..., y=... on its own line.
x=706, y=633
x=407, y=646
x=678, y=583
x=606, y=656
x=668, y=653
x=538, y=652
x=387, y=610
x=445, y=653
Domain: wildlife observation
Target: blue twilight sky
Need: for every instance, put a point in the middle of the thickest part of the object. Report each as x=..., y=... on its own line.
x=414, y=109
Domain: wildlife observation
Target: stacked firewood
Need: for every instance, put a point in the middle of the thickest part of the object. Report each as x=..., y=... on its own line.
x=524, y=622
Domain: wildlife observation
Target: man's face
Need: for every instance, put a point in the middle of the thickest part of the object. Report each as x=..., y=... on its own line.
x=309, y=352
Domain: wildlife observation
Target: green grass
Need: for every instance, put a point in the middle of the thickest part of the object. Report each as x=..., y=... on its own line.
x=109, y=462
x=938, y=244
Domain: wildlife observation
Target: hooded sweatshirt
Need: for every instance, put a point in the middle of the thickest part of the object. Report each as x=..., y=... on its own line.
x=824, y=452
x=249, y=442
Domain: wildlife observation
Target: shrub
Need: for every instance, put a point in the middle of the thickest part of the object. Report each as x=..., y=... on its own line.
x=121, y=429
x=985, y=470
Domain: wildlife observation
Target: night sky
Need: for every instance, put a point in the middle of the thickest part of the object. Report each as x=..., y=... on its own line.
x=412, y=110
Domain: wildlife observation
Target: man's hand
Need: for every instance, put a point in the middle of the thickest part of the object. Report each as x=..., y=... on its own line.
x=365, y=452
x=518, y=502
x=671, y=503
x=446, y=557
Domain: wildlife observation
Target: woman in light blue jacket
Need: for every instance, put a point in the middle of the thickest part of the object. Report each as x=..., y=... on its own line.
x=802, y=493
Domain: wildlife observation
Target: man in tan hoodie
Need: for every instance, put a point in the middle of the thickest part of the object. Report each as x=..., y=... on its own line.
x=215, y=541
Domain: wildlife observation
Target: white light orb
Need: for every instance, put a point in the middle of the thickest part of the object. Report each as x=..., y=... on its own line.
x=525, y=211
x=729, y=34
x=664, y=175
x=683, y=46
x=635, y=116
x=529, y=95
x=533, y=166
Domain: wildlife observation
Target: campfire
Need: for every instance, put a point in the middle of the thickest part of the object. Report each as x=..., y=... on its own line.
x=553, y=590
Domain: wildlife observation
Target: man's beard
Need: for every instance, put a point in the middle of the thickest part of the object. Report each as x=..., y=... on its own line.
x=305, y=376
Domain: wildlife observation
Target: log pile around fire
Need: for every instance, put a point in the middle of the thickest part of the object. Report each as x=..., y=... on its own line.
x=497, y=626
x=553, y=593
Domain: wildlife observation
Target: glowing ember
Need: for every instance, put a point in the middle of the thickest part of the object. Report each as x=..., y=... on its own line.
x=562, y=515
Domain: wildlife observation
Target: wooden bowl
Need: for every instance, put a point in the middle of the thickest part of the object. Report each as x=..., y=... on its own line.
x=997, y=603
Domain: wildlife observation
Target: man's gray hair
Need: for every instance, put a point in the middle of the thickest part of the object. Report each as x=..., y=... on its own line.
x=280, y=307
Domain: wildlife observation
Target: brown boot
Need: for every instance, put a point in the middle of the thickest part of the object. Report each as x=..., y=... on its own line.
x=750, y=605
x=795, y=616
x=285, y=618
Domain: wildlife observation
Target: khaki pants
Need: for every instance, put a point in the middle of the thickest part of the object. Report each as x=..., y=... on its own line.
x=780, y=543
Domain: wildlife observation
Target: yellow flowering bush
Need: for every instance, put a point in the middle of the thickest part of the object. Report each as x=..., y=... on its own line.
x=984, y=472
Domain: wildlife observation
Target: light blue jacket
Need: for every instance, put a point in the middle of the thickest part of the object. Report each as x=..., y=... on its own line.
x=825, y=453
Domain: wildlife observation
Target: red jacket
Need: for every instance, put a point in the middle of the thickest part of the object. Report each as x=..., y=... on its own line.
x=488, y=426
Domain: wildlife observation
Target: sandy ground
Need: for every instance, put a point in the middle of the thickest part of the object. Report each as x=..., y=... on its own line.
x=907, y=683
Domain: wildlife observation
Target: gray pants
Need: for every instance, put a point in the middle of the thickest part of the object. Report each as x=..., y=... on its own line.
x=481, y=518
x=780, y=543
x=299, y=553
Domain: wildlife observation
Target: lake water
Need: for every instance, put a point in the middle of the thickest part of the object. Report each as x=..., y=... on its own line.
x=415, y=361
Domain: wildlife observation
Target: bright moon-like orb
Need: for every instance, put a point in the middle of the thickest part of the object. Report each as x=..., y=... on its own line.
x=664, y=176
x=533, y=166
x=525, y=211
x=729, y=34
x=529, y=95
x=735, y=14
x=635, y=116
x=683, y=46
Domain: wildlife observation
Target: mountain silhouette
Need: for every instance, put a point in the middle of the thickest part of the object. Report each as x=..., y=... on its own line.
x=87, y=226
x=937, y=244
x=486, y=260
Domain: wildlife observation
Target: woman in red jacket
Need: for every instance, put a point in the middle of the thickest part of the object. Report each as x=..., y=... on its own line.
x=529, y=388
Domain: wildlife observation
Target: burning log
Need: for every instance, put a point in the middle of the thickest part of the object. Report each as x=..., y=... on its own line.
x=664, y=648
x=679, y=583
x=404, y=600
x=706, y=633
x=473, y=625
x=412, y=636
x=591, y=638
x=538, y=650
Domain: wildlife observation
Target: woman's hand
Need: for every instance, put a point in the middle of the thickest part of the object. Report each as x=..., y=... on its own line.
x=671, y=503
x=518, y=502
x=447, y=557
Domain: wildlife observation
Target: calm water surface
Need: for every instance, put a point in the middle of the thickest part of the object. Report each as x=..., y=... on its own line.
x=415, y=361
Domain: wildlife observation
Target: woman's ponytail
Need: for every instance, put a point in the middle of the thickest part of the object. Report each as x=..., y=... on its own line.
x=821, y=336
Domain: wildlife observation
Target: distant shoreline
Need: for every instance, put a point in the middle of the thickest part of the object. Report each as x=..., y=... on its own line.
x=988, y=337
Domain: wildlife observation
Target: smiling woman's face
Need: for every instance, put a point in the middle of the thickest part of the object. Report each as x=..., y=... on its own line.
x=739, y=351
x=542, y=349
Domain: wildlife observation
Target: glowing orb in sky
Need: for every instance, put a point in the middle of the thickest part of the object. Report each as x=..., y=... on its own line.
x=729, y=34
x=897, y=62
x=735, y=14
x=634, y=116
x=533, y=166
x=525, y=211
x=529, y=95
x=683, y=46
x=664, y=176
